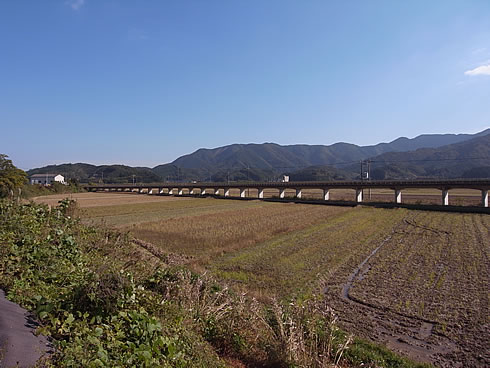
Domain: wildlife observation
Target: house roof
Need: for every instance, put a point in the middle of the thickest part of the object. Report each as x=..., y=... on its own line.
x=43, y=175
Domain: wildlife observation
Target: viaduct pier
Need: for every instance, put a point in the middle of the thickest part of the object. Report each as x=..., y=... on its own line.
x=279, y=188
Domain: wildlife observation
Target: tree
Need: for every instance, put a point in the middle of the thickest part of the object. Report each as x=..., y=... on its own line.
x=11, y=178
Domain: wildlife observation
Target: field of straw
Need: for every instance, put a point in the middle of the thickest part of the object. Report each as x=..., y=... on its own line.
x=416, y=281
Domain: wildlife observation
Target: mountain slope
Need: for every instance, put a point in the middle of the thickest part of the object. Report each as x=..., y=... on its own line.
x=108, y=173
x=466, y=159
x=268, y=161
x=404, y=144
x=274, y=156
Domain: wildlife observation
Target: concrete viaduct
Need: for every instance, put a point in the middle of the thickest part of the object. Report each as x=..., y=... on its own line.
x=216, y=189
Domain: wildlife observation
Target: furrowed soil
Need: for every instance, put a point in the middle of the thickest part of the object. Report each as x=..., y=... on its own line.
x=426, y=289
x=415, y=281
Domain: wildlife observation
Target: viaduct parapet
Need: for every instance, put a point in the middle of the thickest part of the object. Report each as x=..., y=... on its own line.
x=223, y=189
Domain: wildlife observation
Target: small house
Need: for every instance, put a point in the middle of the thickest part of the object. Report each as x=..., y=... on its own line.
x=46, y=179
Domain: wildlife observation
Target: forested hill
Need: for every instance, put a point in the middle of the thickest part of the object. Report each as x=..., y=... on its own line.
x=274, y=156
x=468, y=159
x=107, y=173
x=340, y=161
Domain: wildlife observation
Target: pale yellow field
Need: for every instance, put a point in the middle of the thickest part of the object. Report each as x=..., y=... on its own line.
x=85, y=200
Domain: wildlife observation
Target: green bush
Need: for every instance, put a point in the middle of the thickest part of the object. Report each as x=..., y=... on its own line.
x=94, y=316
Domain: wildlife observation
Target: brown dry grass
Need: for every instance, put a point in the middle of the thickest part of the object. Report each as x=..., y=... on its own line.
x=123, y=215
x=87, y=200
x=272, y=248
x=293, y=263
x=207, y=237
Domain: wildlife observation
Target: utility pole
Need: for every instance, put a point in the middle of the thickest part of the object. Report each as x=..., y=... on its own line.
x=248, y=179
x=369, y=175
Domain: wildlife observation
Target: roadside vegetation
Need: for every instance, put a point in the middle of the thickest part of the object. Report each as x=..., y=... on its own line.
x=11, y=178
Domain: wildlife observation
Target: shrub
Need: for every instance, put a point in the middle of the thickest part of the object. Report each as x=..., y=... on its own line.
x=94, y=316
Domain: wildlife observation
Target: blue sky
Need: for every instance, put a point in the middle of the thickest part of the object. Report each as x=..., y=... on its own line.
x=143, y=82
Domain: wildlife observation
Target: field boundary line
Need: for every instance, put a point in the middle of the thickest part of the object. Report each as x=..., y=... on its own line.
x=167, y=258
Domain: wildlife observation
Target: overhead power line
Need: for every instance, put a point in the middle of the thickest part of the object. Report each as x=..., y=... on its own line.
x=432, y=160
x=382, y=161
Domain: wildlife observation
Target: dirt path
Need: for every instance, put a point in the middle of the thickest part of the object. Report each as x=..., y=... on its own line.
x=19, y=347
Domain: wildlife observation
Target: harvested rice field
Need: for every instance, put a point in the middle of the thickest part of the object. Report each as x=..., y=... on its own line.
x=415, y=281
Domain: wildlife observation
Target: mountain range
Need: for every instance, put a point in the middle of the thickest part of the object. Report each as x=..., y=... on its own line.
x=425, y=156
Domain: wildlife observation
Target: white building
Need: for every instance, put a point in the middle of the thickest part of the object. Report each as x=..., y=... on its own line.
x=46, y=179
x=285, y=178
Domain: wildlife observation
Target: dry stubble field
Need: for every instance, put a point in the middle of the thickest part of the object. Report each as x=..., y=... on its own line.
x=416, y=281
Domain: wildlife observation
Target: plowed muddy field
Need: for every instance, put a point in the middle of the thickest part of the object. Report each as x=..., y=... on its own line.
x=423, y=290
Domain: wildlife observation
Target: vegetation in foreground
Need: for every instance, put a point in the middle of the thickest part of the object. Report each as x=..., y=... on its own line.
x=108, y=302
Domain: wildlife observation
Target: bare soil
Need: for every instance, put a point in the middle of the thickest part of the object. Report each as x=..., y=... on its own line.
x=423, y=291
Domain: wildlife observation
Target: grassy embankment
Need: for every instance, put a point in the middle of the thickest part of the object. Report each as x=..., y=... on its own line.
x=109, y=302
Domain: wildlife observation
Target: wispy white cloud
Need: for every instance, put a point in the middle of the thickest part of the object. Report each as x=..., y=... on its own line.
x=481, y=70
x=481, y=50
x=75, y=4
